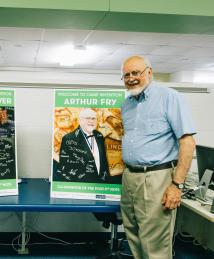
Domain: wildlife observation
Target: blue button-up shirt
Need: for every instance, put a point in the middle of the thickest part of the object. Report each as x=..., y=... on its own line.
x=153, y=125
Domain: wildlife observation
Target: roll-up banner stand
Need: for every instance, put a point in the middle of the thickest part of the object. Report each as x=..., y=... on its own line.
x=8, y=165
x=86, y=152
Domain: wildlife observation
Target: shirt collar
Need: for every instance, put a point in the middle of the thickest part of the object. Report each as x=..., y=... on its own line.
x=148, y=90
x=86, y=134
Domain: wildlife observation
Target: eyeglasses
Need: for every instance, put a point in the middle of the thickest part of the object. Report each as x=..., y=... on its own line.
x=135, y=73
x=90, y=118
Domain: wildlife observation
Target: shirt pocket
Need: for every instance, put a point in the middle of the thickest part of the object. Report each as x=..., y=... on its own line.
x=155, y=127
x=128, y=124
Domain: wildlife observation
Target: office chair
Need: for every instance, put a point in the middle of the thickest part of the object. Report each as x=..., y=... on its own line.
x=111, y=219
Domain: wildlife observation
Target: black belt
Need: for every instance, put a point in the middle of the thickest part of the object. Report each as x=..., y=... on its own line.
x=144, y=169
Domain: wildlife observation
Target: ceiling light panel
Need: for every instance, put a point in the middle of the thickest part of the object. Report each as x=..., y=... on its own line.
x=21, y=52
x=65, y=36
x=168, y=52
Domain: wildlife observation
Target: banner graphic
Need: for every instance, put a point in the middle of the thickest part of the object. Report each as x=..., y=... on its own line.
x=8, y=168
x=86, y=161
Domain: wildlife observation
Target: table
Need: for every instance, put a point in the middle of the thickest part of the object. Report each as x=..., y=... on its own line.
x=202, y=210
x=34, y=195
x=196, y=220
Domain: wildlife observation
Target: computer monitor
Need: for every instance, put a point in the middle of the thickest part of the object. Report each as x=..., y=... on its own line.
x=205, y=161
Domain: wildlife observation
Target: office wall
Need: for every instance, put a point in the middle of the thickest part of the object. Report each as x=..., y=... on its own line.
x=202, y=106
x=34, y=136
x=34, y=127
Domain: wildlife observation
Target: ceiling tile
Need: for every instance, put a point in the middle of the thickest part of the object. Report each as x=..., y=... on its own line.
x=167, y=52
x=65, y=36
x=20, y=34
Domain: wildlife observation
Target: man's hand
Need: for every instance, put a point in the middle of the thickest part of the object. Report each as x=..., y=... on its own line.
x=172, y=197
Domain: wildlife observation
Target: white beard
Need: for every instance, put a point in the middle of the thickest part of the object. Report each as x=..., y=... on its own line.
x=135, y=91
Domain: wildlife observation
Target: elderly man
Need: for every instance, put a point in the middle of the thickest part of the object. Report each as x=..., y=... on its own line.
x=82, y=154
x=157, y=149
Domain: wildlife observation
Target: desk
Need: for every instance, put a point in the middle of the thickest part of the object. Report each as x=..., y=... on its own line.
x=196, y=207
x=34, y=195
x=198, y=221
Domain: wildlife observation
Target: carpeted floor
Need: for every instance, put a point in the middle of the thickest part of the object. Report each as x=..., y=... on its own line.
x=94, y=247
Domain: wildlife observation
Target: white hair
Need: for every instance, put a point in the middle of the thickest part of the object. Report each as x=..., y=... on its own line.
x=145, y=59
x=87, y=112
x=147, y=62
